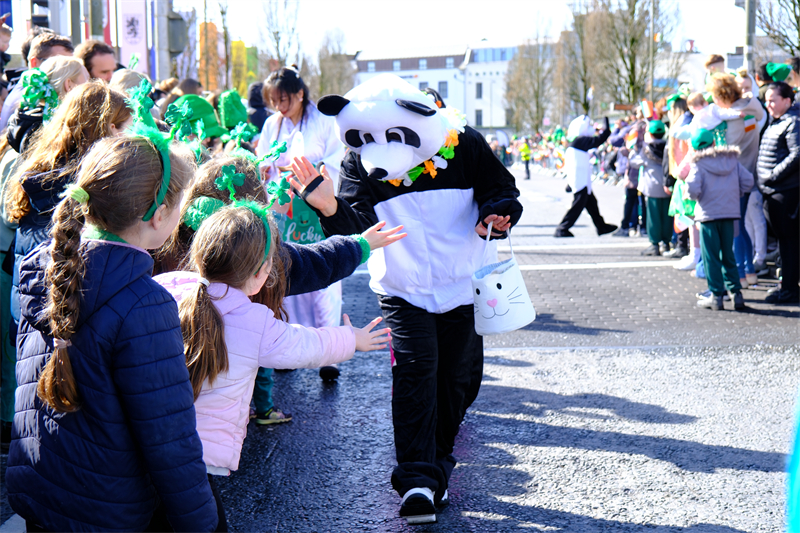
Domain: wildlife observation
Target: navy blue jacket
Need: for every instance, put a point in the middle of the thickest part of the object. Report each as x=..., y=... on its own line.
x=34, y=228
x=133, y=443
x=316, y=266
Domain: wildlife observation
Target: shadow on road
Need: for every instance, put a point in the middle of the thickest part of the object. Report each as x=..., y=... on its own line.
x=547, y=322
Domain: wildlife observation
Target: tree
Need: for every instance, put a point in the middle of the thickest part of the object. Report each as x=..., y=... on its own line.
x=185, y=64
x=226, y=40
x=529, y=84
x=278, y=35
x=575, y=57
x=780, y=20
x=336, y=73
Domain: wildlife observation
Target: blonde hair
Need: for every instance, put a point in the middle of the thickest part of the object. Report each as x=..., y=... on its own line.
x=696, y=100
x=724, y=88
x=59, y=69
x=121, y=176
x=227, y=248
x=125, y=79
x=81, y=119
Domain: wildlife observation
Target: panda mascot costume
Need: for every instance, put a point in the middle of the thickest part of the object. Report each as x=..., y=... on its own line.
x=578, y=168
x=415, y=164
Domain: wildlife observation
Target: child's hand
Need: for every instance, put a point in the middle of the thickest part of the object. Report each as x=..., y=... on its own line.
x=368, y=340
x=379, y=239
x=323, y=197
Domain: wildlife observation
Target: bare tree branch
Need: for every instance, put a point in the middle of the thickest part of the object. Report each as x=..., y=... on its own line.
x=780, y=21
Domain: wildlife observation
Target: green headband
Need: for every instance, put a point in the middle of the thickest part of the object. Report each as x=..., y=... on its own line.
x=200, y=209
x=140, y=103
x=274, y=153
x=262, y=211
x=37, y=87
x=161, y=145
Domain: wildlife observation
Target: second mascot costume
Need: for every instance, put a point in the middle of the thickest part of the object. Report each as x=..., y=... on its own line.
x=578, y=168
x=412, y=163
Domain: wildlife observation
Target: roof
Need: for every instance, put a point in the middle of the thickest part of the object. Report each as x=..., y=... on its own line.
x=413, y=51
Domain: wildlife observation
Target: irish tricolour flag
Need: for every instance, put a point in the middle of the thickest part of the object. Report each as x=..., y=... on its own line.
x=749, y=123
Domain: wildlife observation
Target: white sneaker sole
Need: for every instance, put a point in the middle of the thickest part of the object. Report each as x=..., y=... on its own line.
x=421, y=519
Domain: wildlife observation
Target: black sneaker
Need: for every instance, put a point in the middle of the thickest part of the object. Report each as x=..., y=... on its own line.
x=621, y=232
x=711, y=302
x=417, y=506
x=783, y=297
x=605, y=229
x=563, y=233
x=444, y=501
x=329, y=373
x=5, y=436
x=273, y=416
x=651, y=250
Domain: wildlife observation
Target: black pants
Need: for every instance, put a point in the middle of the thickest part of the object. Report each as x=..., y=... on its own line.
x=630, y=214
x=781, y=210
x=582, y=199
x=527, y=169
x=436, y=377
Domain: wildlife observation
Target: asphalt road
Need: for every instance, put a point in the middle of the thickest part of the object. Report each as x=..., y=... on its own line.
x=621, y=408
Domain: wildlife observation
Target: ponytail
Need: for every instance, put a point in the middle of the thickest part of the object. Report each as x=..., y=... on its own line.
x=203, y=337
x=64, y=275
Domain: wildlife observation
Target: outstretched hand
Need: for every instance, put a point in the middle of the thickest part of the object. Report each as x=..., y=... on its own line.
x=499, y=225
x=322, y=198
x=368, y=340
x=379, y=239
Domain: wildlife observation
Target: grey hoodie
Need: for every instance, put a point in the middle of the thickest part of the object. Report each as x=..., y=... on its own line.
x=717, y=180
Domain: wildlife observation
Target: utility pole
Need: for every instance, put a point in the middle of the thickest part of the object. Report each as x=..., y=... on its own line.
x=652, y=46
x=750, y=11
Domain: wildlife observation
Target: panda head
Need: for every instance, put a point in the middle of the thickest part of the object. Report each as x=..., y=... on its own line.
x=580, y=127
x=392, y=125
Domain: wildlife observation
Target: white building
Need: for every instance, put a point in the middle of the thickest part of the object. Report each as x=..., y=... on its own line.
x=469, y=78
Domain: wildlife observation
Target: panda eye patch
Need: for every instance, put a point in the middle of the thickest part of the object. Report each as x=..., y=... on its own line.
x=353, y=138
x=394, y=136
x=368, y=138
x=403, y=135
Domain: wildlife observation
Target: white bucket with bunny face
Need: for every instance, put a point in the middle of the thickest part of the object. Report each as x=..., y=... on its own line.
x=502, y=303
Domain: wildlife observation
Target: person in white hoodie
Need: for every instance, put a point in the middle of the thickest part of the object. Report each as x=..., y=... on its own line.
x=581, y=138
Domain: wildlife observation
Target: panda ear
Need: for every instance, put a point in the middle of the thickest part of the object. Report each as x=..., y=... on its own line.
x=416, y=107
x=332, y=104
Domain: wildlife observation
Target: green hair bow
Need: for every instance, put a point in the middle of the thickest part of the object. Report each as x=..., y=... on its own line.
x=200, y=209
x=229, y=180
x=37, y=87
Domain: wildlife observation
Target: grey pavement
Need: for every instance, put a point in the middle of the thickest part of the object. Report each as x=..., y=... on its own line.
x=621, y=408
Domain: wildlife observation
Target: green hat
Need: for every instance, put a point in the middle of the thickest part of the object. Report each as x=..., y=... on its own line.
x=202, y=110
x=656, y=127
x=231, y=109
x=702, y=138
x=778, y=71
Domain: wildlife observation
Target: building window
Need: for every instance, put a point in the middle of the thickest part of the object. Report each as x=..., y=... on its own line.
x=395, y=65
x=371, y=66
x=423, y=64
x=423, y=85
x=443, y=89
x=509, y=117
x=478, y=118
x=449, y=62
x=478, y=91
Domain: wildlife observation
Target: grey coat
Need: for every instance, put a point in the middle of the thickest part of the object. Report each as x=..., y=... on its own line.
x=717, y=180
x=651, y=160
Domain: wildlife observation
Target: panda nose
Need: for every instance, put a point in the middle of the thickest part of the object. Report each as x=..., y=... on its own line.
x=377, y=173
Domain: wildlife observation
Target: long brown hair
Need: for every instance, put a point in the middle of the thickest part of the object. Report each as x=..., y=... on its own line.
x=80, y=120
x=228, y=248
x=174, y=255
x=121, y=176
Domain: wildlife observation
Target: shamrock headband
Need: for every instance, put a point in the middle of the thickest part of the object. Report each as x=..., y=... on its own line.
x=262, y=212
x=37, y=87
x=231, y=179
x=274, y=152
x=161, y=146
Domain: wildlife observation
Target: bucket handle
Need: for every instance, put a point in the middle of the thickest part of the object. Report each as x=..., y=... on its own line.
x=488, y=238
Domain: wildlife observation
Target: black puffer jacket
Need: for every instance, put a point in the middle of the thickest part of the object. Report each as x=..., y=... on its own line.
x=779, y=154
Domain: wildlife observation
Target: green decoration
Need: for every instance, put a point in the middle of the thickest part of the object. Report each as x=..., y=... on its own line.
x=275, y=151
x=133, y=61
x=365, y=248
x=242, y=133
x=98, y=233
x=229, y=180
x=279, y=190
x=200, y=209
x=263, y=213
x=180, y=120
x=76, y=193
x=414, y=173
x=161, y=143
x=447, y=152
x=36, y=87
x=140, y=103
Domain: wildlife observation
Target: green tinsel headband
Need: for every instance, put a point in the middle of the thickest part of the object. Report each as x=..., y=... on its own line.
x=37, y=87
x=200, y=209
x=262, y=211
x=161, y=145
x=274, y=153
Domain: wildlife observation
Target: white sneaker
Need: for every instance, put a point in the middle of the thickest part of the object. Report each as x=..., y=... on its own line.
x=417, y=506
x=685, y=263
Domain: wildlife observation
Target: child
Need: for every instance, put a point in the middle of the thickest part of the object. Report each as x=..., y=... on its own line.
x=717, y=180
x=706, y=116
x=228, y=337
x=305, y=268
x=648, y=164
x=104, y=434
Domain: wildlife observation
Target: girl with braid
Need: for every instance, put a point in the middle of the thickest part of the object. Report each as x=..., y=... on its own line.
x=228, y=336
x=104, y=434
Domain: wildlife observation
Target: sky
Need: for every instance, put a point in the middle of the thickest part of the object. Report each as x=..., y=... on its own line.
x=384, y=26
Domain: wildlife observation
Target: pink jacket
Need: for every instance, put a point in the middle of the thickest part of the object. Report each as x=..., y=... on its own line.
x=255, y=338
